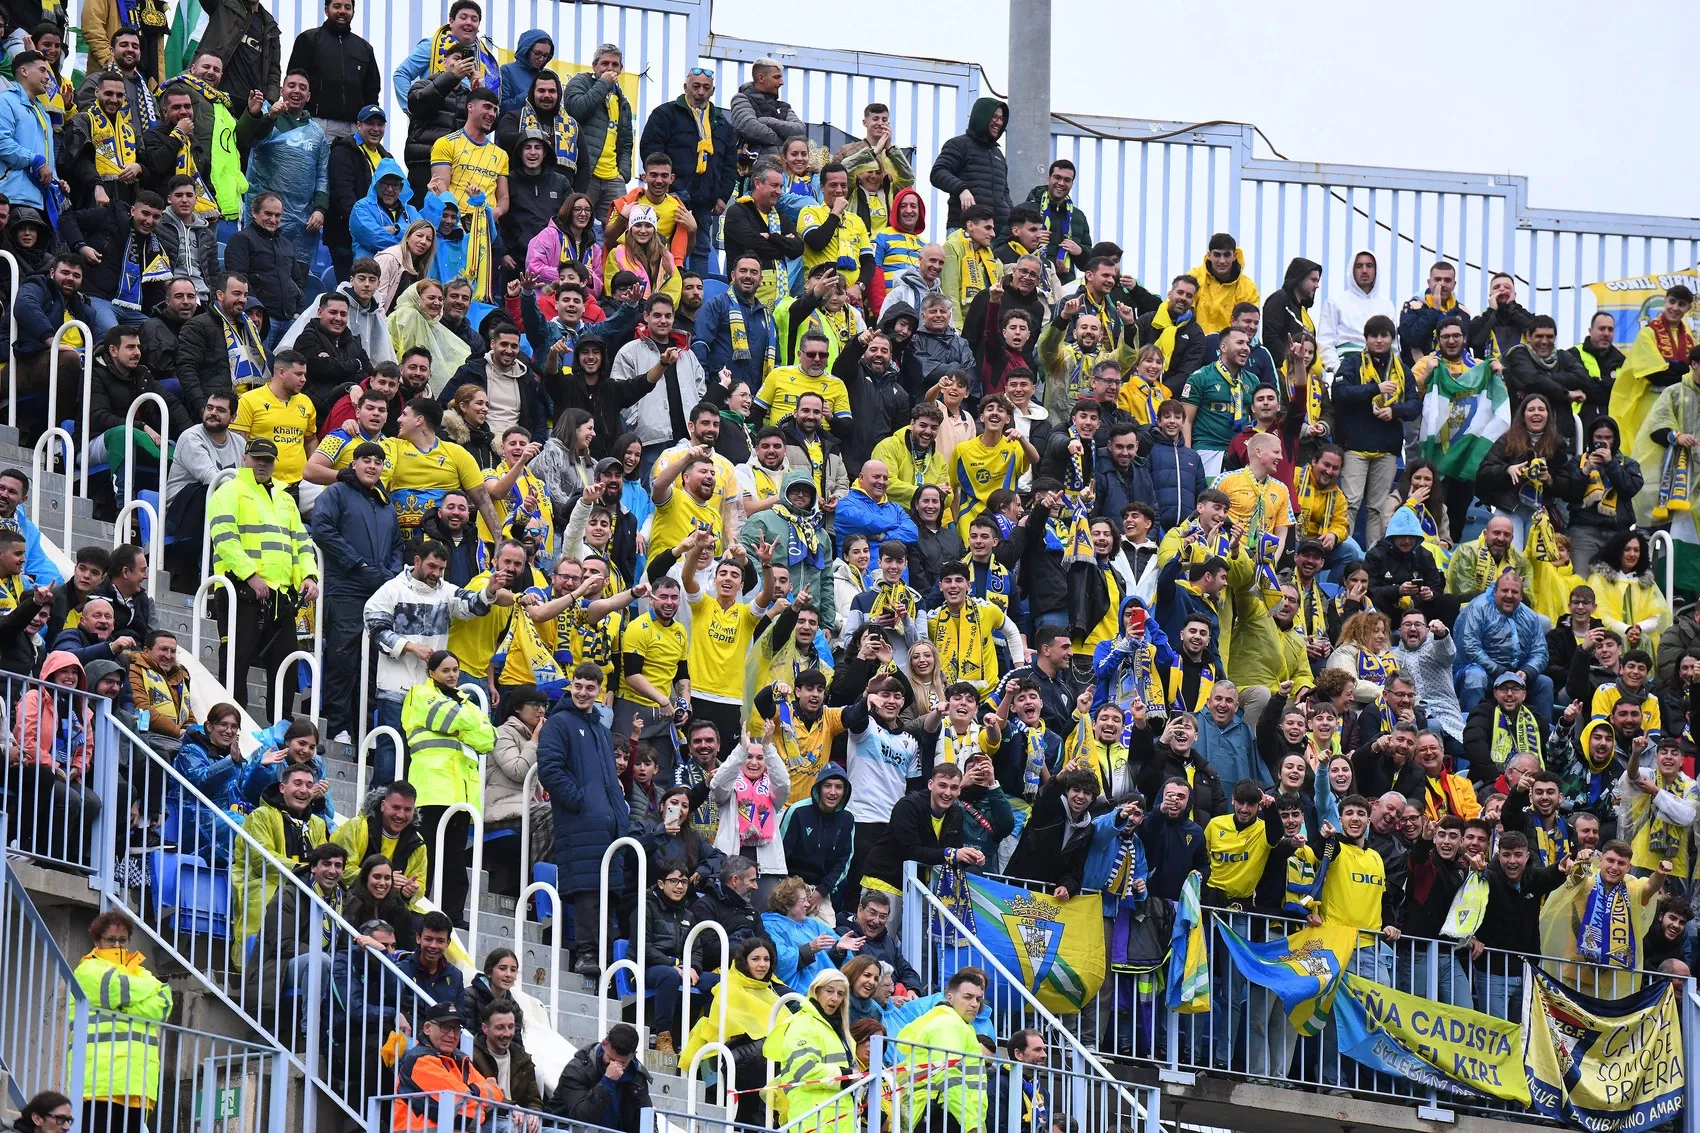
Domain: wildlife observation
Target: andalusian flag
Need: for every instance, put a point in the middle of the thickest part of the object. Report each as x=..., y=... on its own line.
x=1303, y=970
x=188, y=25
x=1056, y=948
x=1189, y=954
x=1462, y=417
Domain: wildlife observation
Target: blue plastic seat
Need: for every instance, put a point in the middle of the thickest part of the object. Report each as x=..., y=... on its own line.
x=545, y=871
x=198, y=893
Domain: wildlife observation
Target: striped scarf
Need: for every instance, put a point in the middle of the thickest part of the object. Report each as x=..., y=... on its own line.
x=1311, y=499
x=114, y=141
x=565, y=132
x=1607, y=935
x=489, y=73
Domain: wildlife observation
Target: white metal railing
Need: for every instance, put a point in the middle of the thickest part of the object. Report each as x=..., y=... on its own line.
x=314, y=658
x=1664, y=539
x=779, y=1005
x=919, y=902
x=42, y=465
x=633, y=964
x=53, y=344
x=438, y=864
x=527, y=891
x=200, y=609
x=685, y=966
x=526, y=790
x=370, y=742
x=13, y=279
x=206, y=521
x=130, y=487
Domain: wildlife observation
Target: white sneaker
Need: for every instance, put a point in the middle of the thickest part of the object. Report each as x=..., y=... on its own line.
x=342, y=737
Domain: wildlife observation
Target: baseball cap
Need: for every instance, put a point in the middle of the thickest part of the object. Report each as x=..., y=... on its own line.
x=441, y=1013
x=1311, y=547
x=261, y=449
x=367, y=113
x=1508, y=679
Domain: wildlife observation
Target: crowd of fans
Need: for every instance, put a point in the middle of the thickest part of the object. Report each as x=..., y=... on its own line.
x=798, y=546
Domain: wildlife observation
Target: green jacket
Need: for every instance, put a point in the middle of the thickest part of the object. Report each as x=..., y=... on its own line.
x=123, y=1061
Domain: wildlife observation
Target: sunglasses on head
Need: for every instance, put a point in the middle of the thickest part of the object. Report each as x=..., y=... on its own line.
x=700, y=71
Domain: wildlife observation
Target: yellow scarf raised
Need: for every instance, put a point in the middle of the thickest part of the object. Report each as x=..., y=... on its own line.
x=565, y=131
x=1165, y=326
x=114, y=142
x=1309, y=498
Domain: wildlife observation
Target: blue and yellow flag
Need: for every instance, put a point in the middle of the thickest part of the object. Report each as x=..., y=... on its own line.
x=1189, y=956
x=1455, y=1050
x=1056, y=948
x=1303, y=970
x=1604, y=1065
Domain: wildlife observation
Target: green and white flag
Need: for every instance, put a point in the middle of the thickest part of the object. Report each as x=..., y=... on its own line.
x=188, y=25
x=1462, y=417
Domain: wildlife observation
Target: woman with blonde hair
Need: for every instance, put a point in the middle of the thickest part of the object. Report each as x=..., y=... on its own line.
x=926, y=684
x=418, y=321
x=1363, y=651
x=405, y=263
x=642, y=252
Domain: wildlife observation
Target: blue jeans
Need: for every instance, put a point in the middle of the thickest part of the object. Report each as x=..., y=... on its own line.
x=701, y=260
x=1342, y=556
x=667, y=985
x=1451, y=983
x=1499, y=995
x=384, y=754
x=1474, y=683
x=105, y=316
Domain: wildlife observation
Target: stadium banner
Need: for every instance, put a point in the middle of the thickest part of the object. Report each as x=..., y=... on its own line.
x=1303, y=970
x=1638, y=300
x=1604, y=1065
x=1453, y=1050
x=1056, y=948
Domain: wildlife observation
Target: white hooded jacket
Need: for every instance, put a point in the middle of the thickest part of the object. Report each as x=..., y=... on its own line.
x=1341, y=323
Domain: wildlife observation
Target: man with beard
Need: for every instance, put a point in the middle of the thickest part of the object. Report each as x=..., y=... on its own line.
x=698, y=136
x=1340, y=327
x=875, y=387
x=1475, y=566
x=98, y=147
x=1537, y=365
x=397, y=384
x=335, y=358
x=341, y=67
x=218, y=349
x=1287, y=312
x=125, y=60
x=1173, y=328
x=354, y=163
x=541, y=111
x=1449, y=354
x=734, y=330
x=129, y=259
x=535, y=192
x=970, y=168
x=1600, y=359
x=292, y=159
x=1420, y=318
x=1424, y=651
x=1496, y=330
x=1217, y=400
x=159, y=333
x=1069, y=365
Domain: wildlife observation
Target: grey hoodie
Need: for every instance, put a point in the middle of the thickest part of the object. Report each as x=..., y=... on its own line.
x=910, y=288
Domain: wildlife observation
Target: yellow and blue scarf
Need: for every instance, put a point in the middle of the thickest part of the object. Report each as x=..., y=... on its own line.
x=114, y=142
x=565, y=131
x=489, y=75
x=1607, y=934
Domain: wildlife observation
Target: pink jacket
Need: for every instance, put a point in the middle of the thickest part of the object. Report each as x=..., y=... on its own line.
x=37, y=733
x=543, y=258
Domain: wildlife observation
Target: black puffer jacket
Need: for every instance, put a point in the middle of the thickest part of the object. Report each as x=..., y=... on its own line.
x=669, y=923
x=1283, y=313
x=112, y=394
x=731, y=912
x=159, y=343
x=268, y=260
x=333, y=364
x=436, y=108
x=107, y=229
x=350, y=179
x=533, y=200
x=973, y=161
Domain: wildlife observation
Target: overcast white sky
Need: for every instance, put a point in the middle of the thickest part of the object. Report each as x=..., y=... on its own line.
x=1556, y=91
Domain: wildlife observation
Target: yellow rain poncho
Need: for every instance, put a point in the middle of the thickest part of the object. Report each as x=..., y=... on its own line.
x=813, y=1056
x=1632, y=395
x=749, y=1006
